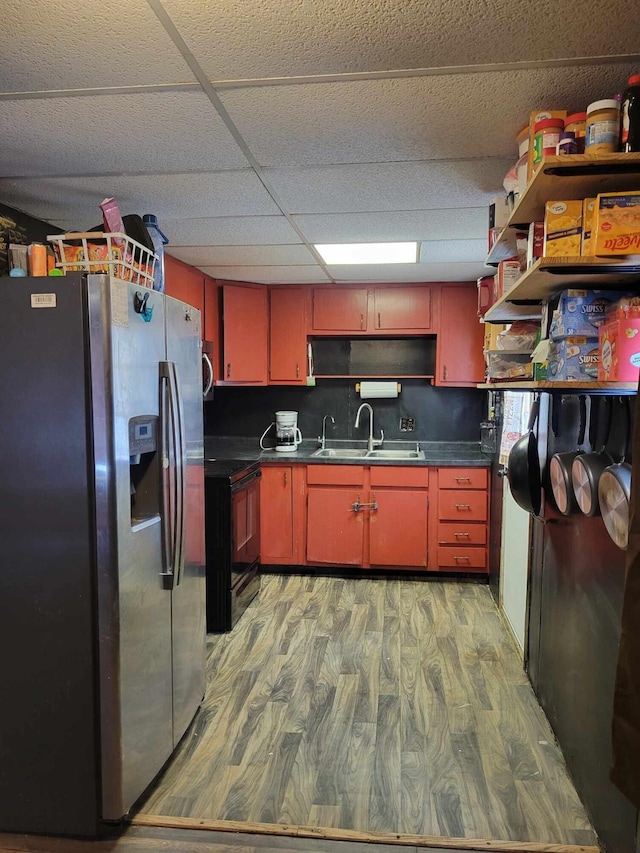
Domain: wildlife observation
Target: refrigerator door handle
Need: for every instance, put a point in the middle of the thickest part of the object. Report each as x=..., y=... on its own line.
x=209, y=384
x=181, y=485
x=170, y=451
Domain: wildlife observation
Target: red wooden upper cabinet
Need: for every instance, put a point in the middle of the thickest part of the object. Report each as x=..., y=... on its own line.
x=184, y=282
x=287, y=336
x=245, y=334
x=402, y=309
x=459, y=359
x=337, y=309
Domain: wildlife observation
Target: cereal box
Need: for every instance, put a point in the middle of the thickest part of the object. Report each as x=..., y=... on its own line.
x=582, y=312
x=619, y=350
x=574, y=359
x=616, y=228
x=562, y=228
x=588, y=214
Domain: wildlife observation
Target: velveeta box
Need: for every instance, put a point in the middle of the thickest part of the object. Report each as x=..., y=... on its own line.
x=574, y=359
x=588, y=215
x=582, y=312
x=619, y=350
x=562, y=229
x=616, y=228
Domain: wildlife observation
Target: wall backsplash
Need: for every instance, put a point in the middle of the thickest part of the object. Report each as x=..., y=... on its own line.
x=441, y=414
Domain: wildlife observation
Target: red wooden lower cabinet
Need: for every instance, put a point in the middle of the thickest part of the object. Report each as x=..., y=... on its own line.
x=398, y=528
x=335, y=532
x=375, y=516
x=463, y=515
x=281, y=509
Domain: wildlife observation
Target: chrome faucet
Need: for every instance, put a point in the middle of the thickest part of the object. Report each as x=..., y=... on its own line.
x=321, y=439
x=372, y=442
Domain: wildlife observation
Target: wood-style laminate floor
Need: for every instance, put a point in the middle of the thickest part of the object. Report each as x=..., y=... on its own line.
x=386, y=705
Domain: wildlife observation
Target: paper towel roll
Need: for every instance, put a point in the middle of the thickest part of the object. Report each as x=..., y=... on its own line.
x=378, y=389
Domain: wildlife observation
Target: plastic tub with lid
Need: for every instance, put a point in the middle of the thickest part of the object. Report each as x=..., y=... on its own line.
x=603, y=127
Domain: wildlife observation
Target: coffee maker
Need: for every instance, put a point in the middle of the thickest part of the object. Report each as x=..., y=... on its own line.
x=288, y=436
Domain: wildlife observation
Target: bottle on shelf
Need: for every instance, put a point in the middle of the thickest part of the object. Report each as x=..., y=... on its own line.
x=159, y=241
x=630, y=116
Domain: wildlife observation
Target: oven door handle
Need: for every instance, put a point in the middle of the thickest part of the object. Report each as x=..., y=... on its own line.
x=245, y=481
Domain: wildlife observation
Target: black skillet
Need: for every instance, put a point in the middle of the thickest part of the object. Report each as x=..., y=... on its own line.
x=523, y=467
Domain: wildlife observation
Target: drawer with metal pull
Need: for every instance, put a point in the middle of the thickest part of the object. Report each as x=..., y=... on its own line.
x=463, y=478
x=452, y=533
x=462, y=559
x=456, y=504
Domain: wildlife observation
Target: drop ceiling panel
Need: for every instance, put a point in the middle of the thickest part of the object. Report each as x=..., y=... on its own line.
x=409, y=272
x=269, y=275
x=244, y=255
x=419, y=118
x=231, y=231
x=72, y=45
x=389, y=186
x=269, y=38
x=436, y=251
x=236, y=193
x=124, y=133
x=463, y=223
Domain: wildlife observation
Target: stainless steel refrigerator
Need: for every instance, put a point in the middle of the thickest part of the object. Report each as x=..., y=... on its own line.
x=102, y=583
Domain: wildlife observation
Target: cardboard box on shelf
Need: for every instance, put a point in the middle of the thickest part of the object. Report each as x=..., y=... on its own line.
x=535, y=242
x=562, y=228
x=619, y=341
x=507, y=275
x=582, y=312
x=491, y=332
x=588, y=215
x=573, y=358
x=616, y=227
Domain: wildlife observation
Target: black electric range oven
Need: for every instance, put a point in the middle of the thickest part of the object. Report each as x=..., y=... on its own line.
x=232, y=526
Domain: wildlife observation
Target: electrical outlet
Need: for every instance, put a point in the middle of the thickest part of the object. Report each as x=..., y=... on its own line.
x=407, y=424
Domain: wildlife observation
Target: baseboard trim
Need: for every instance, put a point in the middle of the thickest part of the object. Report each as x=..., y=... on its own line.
x=331, y=834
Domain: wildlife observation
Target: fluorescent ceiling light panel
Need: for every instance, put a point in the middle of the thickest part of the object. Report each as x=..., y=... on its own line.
x=368, y=253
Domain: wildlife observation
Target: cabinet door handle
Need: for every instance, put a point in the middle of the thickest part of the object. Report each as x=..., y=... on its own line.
x=463, y=506
x=444, y=372
x=362, y=321
x=463, y=479
x=378, y=319
x=297, y=370
x=461, y=535
x=286, y=477
x=461, y=559
x=228, y=370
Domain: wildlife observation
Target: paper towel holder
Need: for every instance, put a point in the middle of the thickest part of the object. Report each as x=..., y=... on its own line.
x=398, y=387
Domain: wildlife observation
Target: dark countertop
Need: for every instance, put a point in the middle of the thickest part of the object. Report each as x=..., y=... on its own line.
x=441, y=453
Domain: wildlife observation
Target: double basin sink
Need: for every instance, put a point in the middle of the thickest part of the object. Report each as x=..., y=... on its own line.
x=360, y=453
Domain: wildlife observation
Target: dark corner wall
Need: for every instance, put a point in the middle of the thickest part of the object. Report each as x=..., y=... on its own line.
x=17, y=227
x=441, y=414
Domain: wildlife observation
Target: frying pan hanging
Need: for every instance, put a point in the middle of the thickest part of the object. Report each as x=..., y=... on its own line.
x=587, y=468
x=614, y=491
x=523, y=467
x=560, y=469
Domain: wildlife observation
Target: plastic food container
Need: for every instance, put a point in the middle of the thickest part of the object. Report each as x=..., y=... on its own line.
x=603, y=127
x=577, y=123
x=522, y=140
x=546, y=136
x=567, y=143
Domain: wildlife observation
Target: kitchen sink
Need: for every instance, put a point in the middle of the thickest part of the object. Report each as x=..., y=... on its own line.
x=341, y=453
x=360, y=453
x=395, y=454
